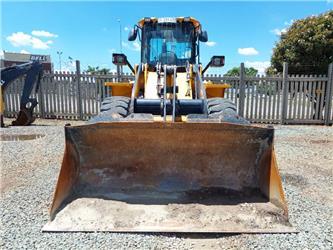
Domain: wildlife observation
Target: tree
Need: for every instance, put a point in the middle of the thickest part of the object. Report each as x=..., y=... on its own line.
x=235, y=71
x=104, y=71
x=307, y=46
x=92, y=70
x=97, y=70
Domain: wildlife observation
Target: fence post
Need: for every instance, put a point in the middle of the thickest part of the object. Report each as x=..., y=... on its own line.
x=78, y=79
x=119, y=72
x=328, y=94
x=241, y=90
x=41, y=98
x=285, y=86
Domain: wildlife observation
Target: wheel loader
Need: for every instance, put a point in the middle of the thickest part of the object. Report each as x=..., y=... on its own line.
x=167, y=152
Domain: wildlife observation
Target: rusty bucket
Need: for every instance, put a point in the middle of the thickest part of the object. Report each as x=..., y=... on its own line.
x=169, y=177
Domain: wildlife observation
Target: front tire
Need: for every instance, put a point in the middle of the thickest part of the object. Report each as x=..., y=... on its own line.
x=115, y=106
x=224, y=110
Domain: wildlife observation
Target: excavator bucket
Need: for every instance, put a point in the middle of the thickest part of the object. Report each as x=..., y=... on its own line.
x=169, y=177
x=25, y=117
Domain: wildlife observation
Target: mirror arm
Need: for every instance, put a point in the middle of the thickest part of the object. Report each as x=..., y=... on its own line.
x=207, y=66
x=122, y=62
x=130, y=66
x=138, y=28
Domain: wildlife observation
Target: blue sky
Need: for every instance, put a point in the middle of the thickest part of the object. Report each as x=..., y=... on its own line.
x=89, y=31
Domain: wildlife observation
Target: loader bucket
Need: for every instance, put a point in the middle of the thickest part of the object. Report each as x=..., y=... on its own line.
x=169, y=177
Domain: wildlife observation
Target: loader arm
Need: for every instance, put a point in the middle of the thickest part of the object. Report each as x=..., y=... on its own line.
x=33, y=72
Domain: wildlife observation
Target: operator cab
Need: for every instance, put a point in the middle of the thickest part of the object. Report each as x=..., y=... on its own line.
x=170, y=41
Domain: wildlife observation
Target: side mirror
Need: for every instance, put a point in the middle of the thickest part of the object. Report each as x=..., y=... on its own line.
x=133, y=34
x=119, y=59
x=203, y=36
x=217, y=61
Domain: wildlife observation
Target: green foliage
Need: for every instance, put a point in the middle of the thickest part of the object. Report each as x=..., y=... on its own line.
x=307, y=46
x=235, y=71
x=97, y=70
x=104, y=71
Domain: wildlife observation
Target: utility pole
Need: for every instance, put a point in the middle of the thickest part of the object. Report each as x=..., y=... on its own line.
x=120, y=36
x=59, y=54
x=120, y=68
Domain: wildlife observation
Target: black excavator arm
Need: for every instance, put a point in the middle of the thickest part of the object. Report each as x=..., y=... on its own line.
x=33, y=72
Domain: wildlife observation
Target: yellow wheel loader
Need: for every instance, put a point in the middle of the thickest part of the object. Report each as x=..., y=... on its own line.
x=167, y=153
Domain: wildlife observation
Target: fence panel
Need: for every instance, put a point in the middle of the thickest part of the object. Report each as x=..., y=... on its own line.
x=289, y=99
x=306, y=97
x=262, y=99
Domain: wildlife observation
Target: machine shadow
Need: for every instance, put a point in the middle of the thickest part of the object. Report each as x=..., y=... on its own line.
x=203, y=196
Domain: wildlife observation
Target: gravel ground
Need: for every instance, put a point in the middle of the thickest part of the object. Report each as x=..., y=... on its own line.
x=29, y=170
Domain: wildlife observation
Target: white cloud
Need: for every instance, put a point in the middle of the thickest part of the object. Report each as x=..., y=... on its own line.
x=43, y=33
x=19, y=39
x=64, y=69
x=248, y=51
x=70, y=66
x=210, y=44
x=67, y=66
x=135, y=46
x=286, y=23
x=279, y=32
x=23, y=51
x=126, y=28
x=261, y=66
x=104, y=65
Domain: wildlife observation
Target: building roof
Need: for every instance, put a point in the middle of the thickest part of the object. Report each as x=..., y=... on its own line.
x=22, y=57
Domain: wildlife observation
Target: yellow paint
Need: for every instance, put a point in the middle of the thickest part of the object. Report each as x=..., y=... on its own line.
x=184, y=86
x=158, y=118
x=276, y=193
x=146, y=73
x=151, y=86
x=195, y=22
x=215, y=90
x=120, y=88
x=140, y=84
x=192, y=81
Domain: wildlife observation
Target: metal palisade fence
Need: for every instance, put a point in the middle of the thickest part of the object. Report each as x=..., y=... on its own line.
x=284, y=99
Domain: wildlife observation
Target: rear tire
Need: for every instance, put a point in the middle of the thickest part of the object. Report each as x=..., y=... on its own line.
x=112, y=108
x=224, y=110
x=115, y=106
x=115, y=99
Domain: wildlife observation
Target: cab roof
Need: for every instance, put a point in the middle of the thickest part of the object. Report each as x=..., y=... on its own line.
x=195, y=22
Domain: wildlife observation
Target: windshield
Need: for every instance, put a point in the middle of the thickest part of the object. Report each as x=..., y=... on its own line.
x=168, y=43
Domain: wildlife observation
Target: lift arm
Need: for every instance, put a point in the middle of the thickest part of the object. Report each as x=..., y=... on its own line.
x=33, y=71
